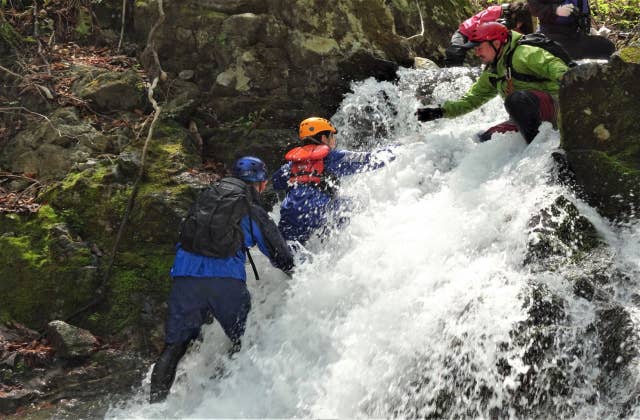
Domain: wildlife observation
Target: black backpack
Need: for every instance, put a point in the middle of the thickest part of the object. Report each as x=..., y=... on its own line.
x=540, y=40
x=212, y=226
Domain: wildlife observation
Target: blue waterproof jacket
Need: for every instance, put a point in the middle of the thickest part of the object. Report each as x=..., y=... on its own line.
x=306, y=206
x=262, y=232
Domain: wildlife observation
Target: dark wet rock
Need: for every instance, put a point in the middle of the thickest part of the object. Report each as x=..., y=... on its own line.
x=600, y=136
x=228, y=144
x=127, y=166
x=563, y=174
x=560, y=230
x=13, y=331
x=61, y=388
x=184, y=98
x=618, y=338
x=70, y=342
x=15, y=398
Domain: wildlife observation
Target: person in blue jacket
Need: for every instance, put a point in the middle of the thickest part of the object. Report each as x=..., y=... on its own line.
x=208, y=272
x=311, y=178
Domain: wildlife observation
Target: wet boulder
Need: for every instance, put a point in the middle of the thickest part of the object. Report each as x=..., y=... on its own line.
x=560, y=231
x=601, y=132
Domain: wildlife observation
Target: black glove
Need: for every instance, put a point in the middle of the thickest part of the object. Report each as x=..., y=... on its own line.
x=429, y=113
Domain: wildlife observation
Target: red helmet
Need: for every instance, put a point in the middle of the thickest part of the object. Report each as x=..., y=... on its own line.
x=488, y=31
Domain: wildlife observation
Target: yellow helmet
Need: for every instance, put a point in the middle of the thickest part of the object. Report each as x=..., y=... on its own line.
x=314, y=125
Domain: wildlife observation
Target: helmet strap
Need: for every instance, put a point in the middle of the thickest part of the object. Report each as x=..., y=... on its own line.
x=497, y=50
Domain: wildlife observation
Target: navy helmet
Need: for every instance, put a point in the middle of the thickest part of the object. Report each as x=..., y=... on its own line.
x=250, y=169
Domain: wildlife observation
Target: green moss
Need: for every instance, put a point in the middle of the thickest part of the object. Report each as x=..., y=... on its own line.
x=30, y=246
x=8, y=34
x=222, y=38
x=44, y=280
x=83, y=26
x=214, y=15
x=630, y=54
x=610, y=183
x=139, y=278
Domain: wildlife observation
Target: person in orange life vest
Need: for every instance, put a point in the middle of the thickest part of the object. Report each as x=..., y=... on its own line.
x=514, y=16
x=529, y=84
x=568, y=22
x=311, y=176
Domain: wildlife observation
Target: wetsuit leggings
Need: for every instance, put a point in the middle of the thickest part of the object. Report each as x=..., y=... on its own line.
x=527, y=109
x=191, y=301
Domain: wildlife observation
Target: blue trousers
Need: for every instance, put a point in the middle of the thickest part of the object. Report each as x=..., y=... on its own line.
x=193, y=299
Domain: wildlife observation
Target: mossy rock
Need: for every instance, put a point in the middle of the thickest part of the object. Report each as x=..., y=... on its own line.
x=51, y=148
x=50, y=282
x=589, y=120
x=109, y=90
x=609, y=182
x=309, y=50
x=47, y=271
x=601, y=136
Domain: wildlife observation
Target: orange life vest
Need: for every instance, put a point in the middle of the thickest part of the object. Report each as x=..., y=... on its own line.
x=307, y=163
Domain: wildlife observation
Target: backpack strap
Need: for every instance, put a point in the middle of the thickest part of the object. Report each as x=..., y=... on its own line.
x=246, y=250
x=512, y=73
x=253, y=265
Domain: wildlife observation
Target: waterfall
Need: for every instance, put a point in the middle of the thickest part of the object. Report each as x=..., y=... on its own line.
x=422, y=304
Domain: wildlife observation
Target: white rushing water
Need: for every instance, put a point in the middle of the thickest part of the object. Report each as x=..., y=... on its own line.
x=415, y=294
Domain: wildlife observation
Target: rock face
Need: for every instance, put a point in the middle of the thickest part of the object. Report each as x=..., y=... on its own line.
x=290, y=59
x=49, y=149
x=601, y=132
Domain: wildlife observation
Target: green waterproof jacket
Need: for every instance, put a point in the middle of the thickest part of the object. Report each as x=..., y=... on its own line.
x=527, y=59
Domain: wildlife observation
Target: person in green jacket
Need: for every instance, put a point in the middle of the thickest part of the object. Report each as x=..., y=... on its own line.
x=529, y=86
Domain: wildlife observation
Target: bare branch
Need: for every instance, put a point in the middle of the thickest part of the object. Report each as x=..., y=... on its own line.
x=421, y=23
x=11, y=73
x=151, y=44
x=124, y=14
x=21, y=108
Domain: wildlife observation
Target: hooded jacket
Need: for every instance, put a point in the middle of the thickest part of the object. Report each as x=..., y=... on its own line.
x=526, y=59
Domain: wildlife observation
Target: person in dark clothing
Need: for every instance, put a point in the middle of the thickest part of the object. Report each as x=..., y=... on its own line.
x=529, y=83
x=568, y=22
x=206, y=284
x=514, y=16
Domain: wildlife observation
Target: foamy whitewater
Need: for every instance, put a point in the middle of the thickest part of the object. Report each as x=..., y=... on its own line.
x=418, y=288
